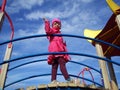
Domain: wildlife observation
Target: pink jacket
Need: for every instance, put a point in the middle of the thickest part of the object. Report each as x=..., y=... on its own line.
x=56, y=43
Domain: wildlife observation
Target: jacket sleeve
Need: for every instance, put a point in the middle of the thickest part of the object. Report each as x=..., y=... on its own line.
x=48, y=30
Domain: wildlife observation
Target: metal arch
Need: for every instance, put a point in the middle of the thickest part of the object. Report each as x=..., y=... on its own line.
x=3, y=5
x=2, y=8
x=86, y=69
x=46, y=59
x=71, y=53
x=54, y=53
x=26, y=64
x=66, y=35
x=48, y=75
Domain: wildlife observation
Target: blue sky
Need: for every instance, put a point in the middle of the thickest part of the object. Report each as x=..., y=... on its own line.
x=76, y=15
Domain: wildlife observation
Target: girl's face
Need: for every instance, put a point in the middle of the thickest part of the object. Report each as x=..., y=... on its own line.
x=57, y=25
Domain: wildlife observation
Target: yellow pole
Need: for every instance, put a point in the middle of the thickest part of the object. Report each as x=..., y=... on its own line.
x=5, y=67
x=1, y=19
x=103, y=67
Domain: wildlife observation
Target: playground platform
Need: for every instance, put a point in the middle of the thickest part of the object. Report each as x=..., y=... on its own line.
x=63, y=86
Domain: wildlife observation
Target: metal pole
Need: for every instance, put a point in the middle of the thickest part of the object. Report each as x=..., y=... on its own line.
x=103, y=66
x=112, y=76
x=1, y=19
x=5, y=67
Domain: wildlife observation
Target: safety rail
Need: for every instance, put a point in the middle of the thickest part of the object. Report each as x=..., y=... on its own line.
x=56, y=53
x=47, y=53
x=65, y=35
x=34, y=61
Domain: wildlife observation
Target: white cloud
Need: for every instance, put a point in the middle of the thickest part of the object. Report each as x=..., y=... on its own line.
x=28, y=4
x=88, y=17
x=22, y=33
x=68, y=9
x=78, y=18
x=17, y=5
x=87, y=1
x=39, y=15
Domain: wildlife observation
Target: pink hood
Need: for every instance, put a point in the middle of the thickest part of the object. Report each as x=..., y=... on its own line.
x=56, y=20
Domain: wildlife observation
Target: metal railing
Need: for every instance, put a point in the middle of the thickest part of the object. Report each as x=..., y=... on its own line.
x=47, y=53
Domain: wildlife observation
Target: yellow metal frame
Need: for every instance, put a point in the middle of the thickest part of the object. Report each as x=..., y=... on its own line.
x=91, y=33
x=113, y=6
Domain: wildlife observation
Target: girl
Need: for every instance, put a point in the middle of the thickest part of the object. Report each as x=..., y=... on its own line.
x=56, y=45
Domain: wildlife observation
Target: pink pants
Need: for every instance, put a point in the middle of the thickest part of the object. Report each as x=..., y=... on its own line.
x=59, y=61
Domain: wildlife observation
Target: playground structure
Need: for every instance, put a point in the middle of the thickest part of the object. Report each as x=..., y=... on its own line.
x=99, y=38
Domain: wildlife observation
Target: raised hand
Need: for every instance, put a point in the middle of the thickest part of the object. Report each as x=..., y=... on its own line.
x=45, y=19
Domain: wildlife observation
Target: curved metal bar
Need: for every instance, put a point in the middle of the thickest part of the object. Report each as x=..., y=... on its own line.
x=48, y=75
x=76, y=36
x=11, y=25
x=46, y=59
x=12, y=28
x=26, y=64
x=56, y=53
x=3, y=5
x=22, y=38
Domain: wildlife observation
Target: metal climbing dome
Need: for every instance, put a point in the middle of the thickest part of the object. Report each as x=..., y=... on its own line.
x=99, y=38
